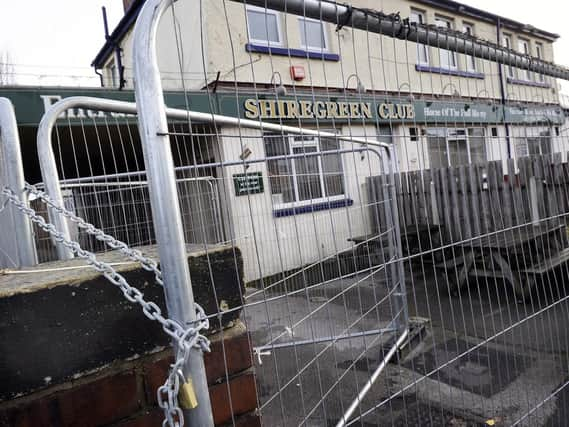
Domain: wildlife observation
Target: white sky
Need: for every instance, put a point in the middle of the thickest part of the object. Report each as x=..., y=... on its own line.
x=52, y=39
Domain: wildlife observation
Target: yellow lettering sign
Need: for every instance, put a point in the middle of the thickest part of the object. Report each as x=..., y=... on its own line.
x=251, y=109
x=305, y=109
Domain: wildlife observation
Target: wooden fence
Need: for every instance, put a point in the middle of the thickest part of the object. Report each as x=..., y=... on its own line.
x=468, y=201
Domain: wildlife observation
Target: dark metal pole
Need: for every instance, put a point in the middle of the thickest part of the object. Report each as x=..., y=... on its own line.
x=503, y=91
x=393, y=26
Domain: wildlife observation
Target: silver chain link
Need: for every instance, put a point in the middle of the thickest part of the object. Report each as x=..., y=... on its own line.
x=186, y=339
x=134, y=254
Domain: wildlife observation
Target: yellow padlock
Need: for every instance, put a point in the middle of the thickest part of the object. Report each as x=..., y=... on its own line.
x=187, y=395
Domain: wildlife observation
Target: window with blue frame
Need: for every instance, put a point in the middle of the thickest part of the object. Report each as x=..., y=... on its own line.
x=306, y=177
x=263, y=26
x=312, y=35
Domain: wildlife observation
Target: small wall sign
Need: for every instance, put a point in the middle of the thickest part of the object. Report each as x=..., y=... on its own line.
x=248, y=183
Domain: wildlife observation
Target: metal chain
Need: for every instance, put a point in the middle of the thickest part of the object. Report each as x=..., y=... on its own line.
x=146, y=263
x=186, y=339
x=167, y=394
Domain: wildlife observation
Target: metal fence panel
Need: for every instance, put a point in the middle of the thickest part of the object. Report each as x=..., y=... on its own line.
x=424, y=227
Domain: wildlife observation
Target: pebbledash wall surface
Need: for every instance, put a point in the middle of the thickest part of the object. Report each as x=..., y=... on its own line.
x=402, y=121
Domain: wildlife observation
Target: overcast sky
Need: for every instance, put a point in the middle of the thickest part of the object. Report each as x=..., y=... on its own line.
x=549, y=15
x=48, y=39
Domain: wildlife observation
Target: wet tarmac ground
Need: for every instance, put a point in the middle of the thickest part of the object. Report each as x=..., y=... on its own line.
x=484, y=357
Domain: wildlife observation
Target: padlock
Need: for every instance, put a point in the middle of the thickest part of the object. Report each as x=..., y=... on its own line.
x=187, y=395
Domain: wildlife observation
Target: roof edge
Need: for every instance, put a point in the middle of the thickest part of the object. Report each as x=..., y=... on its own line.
x=129, y=18
x=124, y=25
x=464, y=9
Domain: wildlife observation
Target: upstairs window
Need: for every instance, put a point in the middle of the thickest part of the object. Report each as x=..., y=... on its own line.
x=468, y=29
x=507, y=42
x=418, y=17
x=312, y=34
x=447, y=58
x=523, y=47
x=263, y=26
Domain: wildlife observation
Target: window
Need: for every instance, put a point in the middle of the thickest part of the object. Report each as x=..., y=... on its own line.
x=539, y=142
x=312, y=34
x=470, y=59
x=263, y=26
x=418, y=17
x=507, y=42
x=521, y=147
x=113, y=73
x=447, y=58
x=539, y=54
x=306, y=178
x=532, y=140
x=413, y=134
x=455, y=146
x=523, y=47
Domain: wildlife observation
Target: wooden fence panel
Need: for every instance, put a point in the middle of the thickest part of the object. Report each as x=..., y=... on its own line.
x=464, y=203
x=474, y=205
x=415, y=203
x=472, y=200
x=494, y=176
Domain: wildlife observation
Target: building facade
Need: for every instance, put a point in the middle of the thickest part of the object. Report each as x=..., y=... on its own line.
x=438, y=108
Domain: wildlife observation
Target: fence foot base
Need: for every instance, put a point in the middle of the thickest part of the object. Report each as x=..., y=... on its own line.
x=417, y=332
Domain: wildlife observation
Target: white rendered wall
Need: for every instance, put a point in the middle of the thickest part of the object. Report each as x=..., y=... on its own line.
x=271, y=245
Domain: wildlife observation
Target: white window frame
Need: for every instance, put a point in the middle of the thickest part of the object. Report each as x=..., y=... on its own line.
x=507, y=42
x=539, y=55
x=326, y=47
x=465, y=137
x=267, y=12
x=524, y=48
x=113, y=72
x=468, y=28
x=447, y=23
x=297, y=202
x=420, y=46
x=521, y=137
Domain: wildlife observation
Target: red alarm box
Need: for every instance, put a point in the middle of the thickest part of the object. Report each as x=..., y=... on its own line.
x=297, y=72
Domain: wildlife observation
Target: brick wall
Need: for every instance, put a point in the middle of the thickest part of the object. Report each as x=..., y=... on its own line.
x=124, y=393
x=75, y=352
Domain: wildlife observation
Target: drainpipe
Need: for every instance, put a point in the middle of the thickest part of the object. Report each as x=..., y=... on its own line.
x=117, y=51
x=120, y=67
x=97, y=72
x=502, y=90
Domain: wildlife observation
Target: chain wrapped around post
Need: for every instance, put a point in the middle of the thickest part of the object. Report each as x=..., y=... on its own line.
x=185, y=338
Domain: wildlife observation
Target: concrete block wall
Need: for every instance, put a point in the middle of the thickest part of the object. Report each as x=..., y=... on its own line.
x=75, y=352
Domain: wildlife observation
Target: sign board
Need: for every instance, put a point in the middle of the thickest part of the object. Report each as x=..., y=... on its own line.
x=395, y=110
x=30, y=104
x=248, y=183
x=534, y=115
